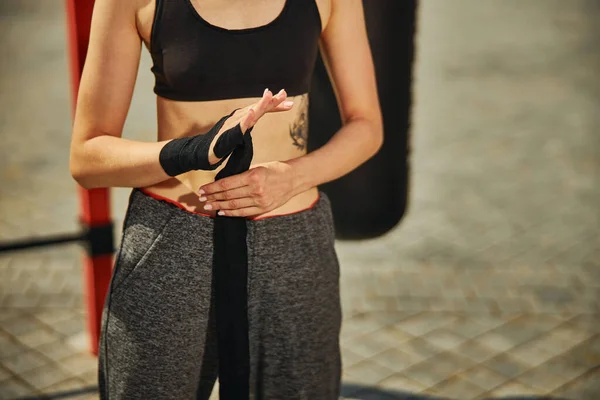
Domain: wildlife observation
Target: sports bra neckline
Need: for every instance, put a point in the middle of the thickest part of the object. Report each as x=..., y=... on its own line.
x=253, y=29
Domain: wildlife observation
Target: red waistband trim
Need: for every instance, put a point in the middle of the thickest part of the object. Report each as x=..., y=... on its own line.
x=171, y=201
x=179, y=205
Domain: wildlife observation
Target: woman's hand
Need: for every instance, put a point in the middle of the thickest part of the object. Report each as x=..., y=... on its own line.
x=256, y=191
x=248, y=116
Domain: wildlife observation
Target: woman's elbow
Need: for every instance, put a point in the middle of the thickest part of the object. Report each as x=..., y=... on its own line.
x=78, y=173
x=376, y=133
x=378, y=141
x=78, y=170
x=371, y=129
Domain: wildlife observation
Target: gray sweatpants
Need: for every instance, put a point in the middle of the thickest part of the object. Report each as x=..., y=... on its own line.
x=158, y=336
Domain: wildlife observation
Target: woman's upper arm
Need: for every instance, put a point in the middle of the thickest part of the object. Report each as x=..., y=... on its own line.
x=347, y=56
x=110, y=70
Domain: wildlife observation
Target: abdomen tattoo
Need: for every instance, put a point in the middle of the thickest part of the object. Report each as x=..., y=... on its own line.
x=299, y=128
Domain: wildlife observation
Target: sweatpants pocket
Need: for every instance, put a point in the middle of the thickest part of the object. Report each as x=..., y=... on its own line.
x=143, y=230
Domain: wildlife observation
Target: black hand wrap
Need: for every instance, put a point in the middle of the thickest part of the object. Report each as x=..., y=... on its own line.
x=230, y=253
x=230, y=280
x=192, y=153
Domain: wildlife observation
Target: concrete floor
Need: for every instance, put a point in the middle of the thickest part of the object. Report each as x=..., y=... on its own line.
x=489, y=287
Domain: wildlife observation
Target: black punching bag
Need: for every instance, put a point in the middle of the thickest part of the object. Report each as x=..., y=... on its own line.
x=372, y=199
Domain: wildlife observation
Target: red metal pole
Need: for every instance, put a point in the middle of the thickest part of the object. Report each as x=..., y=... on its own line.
x=94, y=204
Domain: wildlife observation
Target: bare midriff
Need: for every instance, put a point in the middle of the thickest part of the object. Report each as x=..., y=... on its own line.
x=277, y=136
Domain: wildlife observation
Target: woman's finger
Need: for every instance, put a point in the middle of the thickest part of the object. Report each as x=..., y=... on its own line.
x=263, y=103
x=248, y=120
x=248, y=117
x=285, y=106
x=242, y=212
x=234, y=204
x=277, y=99
x=237, y=193
x=281, y=96
x=280, y=102
x=274, y=103
x=225, y=184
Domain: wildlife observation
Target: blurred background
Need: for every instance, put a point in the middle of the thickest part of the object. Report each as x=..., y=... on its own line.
x=489, y=286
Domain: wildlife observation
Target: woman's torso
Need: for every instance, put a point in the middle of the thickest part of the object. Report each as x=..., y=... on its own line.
x=277, y=136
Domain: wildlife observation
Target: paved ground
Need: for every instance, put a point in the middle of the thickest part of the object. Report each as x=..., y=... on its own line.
x=490, y=287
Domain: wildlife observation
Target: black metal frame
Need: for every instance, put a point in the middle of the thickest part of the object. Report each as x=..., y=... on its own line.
x=98, y=240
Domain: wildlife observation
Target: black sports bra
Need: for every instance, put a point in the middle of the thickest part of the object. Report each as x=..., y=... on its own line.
x=194, y=60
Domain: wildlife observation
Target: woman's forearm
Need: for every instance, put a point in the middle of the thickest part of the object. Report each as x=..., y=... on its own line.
x=356, y=142
x=108, y=161
x=102, y=160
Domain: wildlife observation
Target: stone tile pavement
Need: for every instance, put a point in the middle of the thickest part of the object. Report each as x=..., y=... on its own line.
x=489, y=288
